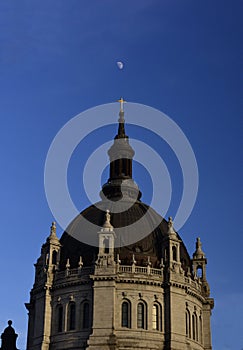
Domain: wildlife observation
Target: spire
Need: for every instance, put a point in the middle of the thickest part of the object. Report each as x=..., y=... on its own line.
x=199, y=262
x=121, y=154
x=121, y=129
x=121, y=151
x=53, y=234
x=199, y=254
x=121, y=104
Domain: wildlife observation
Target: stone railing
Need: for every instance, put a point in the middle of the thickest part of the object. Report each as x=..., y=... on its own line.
x=84, y=272
x=74, y=273
x=194, y=284
x=139, y=270
x=133, y=270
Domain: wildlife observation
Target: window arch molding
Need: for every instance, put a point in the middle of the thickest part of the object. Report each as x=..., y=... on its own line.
x=194, y=326
x=59, y=315
x=85, y=314
x=188, y=324
x=54, y=257
x=71, y=316
x=157, y=316
x=126, y=313
x=200, y=329
x=174, y=253
x=142, y=314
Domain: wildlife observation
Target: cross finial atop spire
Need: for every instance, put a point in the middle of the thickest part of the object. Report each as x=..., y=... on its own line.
x=121, y=120
x=121, y=104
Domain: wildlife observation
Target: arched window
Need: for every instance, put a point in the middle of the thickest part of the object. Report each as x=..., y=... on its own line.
x=174, y=254
x=124, y=166
x=196, y=319
x=126, y=314
x=85, y=315
x=60, y=318
x=199, y=271
x=141, y=315
x=156, y=317
x=194, y=327
x=71, y=316
x=106, y=246
x=117, y=167
x=188, y=324
x=54, y=257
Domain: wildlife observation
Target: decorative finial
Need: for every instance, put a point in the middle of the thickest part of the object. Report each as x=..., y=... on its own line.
x=171, y=230
x=133, y=260
x=10, y=323
x=107, y=223
x=80, y=263
x=53, y=235
x=118, y=259
x=199, y=253
x=198, y=244
x=53, y=229
x=68, y=264
x=121, y=104
x=148, y=261
x=107, y=216
x=170, y=221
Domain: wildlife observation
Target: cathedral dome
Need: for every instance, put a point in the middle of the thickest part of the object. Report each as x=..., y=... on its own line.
x=142, y=241
x=149, y=246
x=120, y=276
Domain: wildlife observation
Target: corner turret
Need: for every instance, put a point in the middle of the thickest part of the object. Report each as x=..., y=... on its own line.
x=199, y=263
x=40, y=296
x=106, y=243
x=171, y=253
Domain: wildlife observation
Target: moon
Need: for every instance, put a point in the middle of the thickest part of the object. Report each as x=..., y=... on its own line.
x=120, y=64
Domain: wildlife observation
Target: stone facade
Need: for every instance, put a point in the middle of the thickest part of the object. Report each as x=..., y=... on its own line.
x=83, y=307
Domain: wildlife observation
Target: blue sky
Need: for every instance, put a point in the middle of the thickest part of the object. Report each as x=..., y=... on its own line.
x=58, y=58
